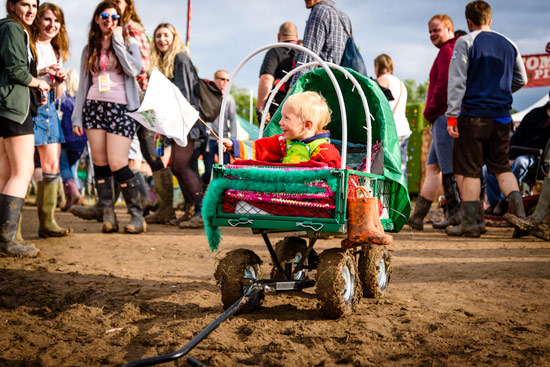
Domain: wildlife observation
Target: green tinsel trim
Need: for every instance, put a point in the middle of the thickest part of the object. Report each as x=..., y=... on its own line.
x=262, y=180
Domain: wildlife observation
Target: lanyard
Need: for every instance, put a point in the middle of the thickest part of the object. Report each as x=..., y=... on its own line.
x=104, y=57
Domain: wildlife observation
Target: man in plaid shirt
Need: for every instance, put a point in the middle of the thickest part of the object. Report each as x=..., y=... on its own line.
x=327, y=31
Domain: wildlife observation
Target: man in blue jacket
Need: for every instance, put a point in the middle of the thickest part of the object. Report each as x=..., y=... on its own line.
x=486, y=68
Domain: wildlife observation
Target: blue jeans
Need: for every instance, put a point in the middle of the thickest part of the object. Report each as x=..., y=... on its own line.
x=519, y=169
x=68, y=165
x=441, y=149
x=403, y=145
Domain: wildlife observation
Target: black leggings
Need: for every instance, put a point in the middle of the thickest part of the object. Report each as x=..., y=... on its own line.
x=182, y=168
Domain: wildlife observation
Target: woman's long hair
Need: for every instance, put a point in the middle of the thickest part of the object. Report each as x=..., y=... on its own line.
x=12, y=15
x=60, y=42
x=165, y=62
x=94, y=38
x=130, y=14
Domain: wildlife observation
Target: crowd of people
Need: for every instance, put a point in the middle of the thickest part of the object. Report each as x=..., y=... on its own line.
x=59, y=112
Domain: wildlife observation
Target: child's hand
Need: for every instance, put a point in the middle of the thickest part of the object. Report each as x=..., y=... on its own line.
x=227, y=145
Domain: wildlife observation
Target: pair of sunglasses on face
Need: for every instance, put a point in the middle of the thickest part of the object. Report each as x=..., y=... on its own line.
x=106, y=16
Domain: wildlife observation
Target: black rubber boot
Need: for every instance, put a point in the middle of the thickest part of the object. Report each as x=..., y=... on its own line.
x=533, y=223
x=130, y=191
x=517, y=209
x=164, y=188
x=416, y=221
x=470, y=223
x=10, y=213
x=452, y=203
x=106, y=201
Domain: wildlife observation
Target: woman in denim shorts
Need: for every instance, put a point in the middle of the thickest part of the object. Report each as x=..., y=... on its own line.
x=107, y=90
x=52, y=47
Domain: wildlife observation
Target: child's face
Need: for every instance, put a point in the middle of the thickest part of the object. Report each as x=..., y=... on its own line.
x=294, y=128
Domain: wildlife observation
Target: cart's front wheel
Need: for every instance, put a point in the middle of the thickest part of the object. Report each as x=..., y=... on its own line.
x=289, y=252
x=375, y=270
x=235, y=273
x=338, y=287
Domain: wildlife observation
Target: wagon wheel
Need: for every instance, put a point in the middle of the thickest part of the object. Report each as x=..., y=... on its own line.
x=375, y=270
x=290, y=251
x=235, y=273
x=338, y=286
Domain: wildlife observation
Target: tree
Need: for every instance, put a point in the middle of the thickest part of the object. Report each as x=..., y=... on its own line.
x=242, y=100
x=416, y=93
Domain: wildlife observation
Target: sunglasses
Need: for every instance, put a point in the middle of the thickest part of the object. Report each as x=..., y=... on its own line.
x=105, y=16
x=222, y=79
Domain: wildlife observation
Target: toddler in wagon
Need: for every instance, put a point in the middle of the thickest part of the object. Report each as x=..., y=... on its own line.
x=304, y=116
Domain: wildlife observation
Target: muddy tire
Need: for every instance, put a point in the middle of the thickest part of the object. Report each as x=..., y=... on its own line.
x=375, y=270
x=234, y=274
x=338, y=286
x=290, y=250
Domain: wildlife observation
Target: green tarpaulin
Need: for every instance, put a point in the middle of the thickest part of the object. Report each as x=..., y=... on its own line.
x=383, y=131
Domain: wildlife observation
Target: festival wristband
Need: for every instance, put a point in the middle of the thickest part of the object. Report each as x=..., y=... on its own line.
x=452, y=121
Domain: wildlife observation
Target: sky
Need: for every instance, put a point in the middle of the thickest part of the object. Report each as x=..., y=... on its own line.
x=224, y=32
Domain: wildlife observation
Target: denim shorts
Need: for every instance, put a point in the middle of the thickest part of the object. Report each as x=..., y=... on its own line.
x=108, y=116
x=47, y=126
x=441, y=149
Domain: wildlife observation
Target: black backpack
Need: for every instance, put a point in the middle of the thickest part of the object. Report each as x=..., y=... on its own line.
x=209, y=98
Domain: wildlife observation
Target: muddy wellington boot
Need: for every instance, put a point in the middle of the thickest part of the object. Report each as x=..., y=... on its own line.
x=164, y=188
x=196, y=220
x=469, y=220
x=452, y=202
x=106, y=202
x=146, y=203
x=130, y=191
x=533, y=224
x=72, y=196
x=10, y=215
x=416, y=221
x=48, y=189
x=91, y=212
x=515, y=202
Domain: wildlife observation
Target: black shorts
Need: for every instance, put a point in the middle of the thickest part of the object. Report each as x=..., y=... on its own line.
x=9, y=128
x=108, y=116
x=481, y=141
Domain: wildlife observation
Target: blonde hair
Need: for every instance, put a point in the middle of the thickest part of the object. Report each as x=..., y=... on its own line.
x=310, y=106
x=383, y=64
x=60, y=42
x=165, y=62
x=444, y=19
x=71, y=83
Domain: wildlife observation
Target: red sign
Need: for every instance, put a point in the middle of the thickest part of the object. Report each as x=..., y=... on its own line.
x=538, y=70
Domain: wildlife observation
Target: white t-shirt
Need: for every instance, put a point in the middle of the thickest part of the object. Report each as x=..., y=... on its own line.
x=399, y=92
x=46, y=57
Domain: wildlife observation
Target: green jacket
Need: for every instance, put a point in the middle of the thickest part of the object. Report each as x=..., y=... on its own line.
x=14, y=72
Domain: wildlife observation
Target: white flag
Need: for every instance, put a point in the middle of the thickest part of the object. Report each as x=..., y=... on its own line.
x=165, y=110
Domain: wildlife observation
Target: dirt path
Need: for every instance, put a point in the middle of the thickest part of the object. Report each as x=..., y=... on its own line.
x=103, y=300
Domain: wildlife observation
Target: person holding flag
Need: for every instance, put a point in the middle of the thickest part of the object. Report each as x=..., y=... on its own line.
x=107, y=90
x=167, y=54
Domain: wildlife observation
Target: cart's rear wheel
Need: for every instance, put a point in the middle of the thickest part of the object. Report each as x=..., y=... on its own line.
x=338, y=287
x=375, y=270
x=235, y=273
x=290, y=251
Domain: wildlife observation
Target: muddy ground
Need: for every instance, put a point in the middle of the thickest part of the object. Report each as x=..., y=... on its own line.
x=96, y=299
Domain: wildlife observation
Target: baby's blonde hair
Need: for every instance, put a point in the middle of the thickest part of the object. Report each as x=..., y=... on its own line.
x=310, y=106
